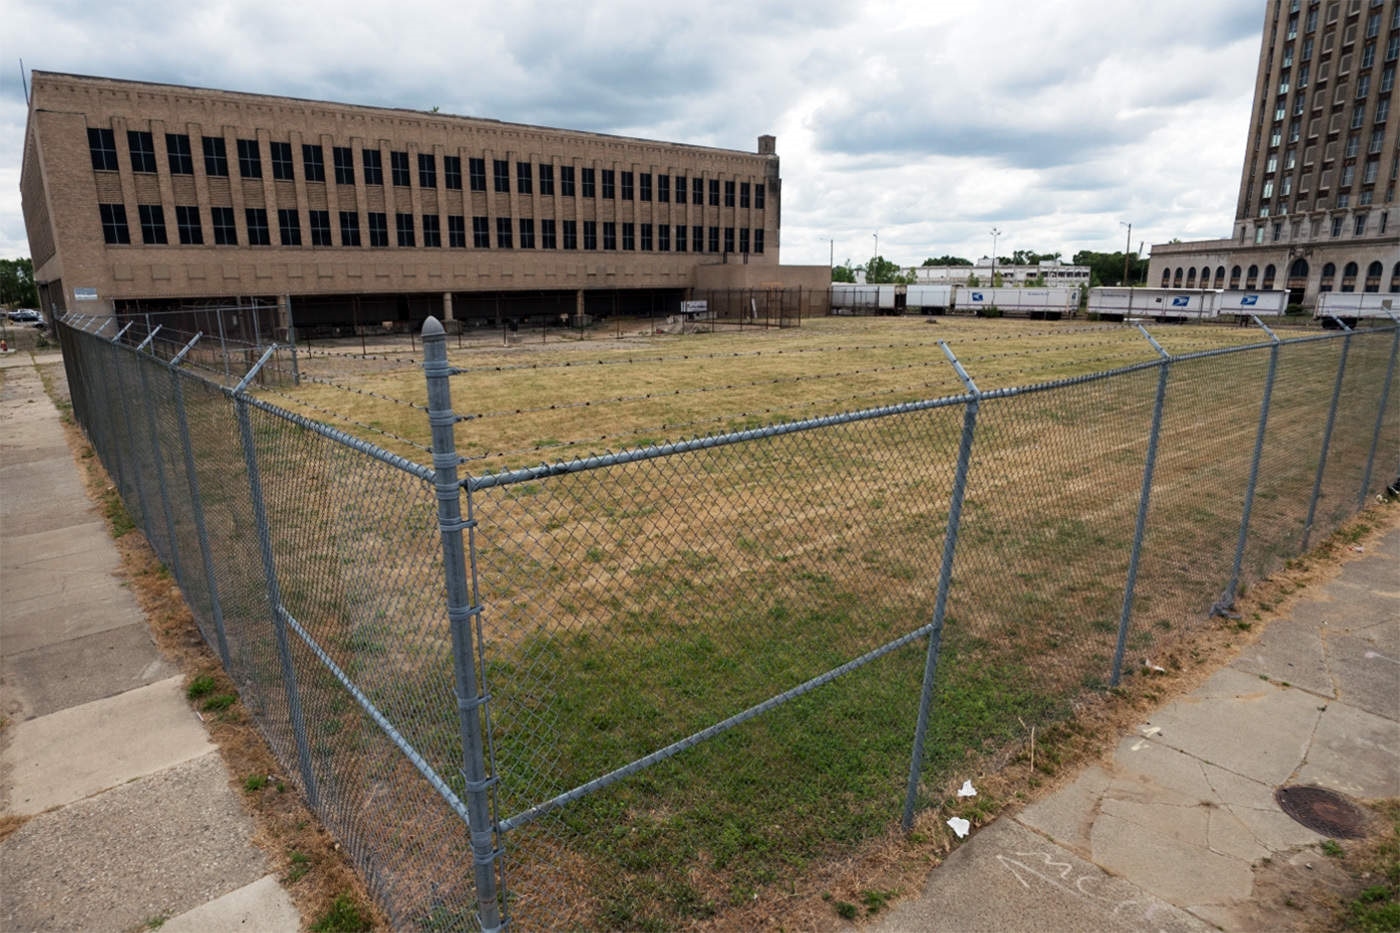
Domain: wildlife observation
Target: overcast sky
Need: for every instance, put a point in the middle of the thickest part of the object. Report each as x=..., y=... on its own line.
x=928, y=122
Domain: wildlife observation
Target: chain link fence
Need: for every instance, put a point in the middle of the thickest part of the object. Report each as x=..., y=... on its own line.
x=639, y=689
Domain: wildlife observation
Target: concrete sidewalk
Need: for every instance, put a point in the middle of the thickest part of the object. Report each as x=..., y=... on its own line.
x=1180, y=829
x=132, y=820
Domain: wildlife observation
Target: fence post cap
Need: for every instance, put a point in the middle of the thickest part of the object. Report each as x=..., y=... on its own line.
x=432, y=327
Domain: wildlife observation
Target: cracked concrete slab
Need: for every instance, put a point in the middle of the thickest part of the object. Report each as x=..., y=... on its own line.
x=1007, y=879
x=1184, y=809
x=1265, y=736
x=1355, y=752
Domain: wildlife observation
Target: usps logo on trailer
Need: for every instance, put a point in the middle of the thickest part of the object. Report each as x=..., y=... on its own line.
x=976, y=296
x=1249, y=300
x=1180, y=301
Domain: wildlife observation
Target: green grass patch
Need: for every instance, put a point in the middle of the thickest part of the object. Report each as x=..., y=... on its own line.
x=203, y=685
x=345, y=915
x=757, y=804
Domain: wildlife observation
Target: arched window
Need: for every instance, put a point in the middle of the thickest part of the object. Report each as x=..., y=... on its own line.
x=1205, y=276
x=1349, y=277
x=1166, y=277
x=1329, y=272
x=1373, y=277
x=1299, y=269
x=1395, y=278
x=1252, y=277
x=1191, y=277
x=1176, y=278
x=1234, y=276
x=1219, y=276
x=1268, y=277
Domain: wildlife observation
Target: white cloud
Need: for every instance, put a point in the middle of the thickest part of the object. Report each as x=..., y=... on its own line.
x=930, y=123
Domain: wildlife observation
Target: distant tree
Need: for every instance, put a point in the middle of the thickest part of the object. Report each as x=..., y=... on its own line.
x=17, y=284
x=973, y=281
x=1025, y=257
x=881, y=271
x=843, y=273
x=947, y=260
x=1107, y=268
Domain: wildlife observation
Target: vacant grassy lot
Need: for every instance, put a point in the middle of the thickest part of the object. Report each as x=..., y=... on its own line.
x=626, y=608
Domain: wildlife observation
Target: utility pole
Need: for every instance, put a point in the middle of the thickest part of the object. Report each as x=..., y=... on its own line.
x=995, y=233
x=1127, y=250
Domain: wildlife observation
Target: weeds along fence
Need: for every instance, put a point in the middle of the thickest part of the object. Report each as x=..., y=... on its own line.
x=654, y=687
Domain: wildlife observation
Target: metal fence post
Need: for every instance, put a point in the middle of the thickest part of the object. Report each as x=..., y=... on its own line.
x=274, y=593
x=1144, y=498
x=1226, y=603
x=216, y=608
x=159, y=456
x=1327, y=433
x=1380, y=412
x=461, y=612
x=124, y=406
x=945, y=576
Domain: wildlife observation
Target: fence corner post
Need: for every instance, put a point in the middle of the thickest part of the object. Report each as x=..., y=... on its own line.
x=462, y=614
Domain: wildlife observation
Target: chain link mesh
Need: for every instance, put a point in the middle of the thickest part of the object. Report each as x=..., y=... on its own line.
x=701, y=665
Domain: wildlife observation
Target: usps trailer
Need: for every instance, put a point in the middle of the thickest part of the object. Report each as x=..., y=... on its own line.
x=1040, y=303
x=1242, y=304
x=1353, y=307
x=929, y=299
x=1160, y=304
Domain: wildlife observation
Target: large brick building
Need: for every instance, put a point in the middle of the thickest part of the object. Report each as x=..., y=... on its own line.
x=147, y=196
x=1317, y=205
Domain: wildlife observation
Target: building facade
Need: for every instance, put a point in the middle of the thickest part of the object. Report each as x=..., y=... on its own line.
x=143, y=196
x=1317, y=208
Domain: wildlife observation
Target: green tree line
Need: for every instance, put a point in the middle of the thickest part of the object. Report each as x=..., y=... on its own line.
x=17, y=284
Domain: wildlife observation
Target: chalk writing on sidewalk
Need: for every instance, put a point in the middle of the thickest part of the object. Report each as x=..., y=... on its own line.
x=1084, y=883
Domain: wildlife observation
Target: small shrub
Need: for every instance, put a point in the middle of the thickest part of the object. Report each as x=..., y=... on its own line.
x=254, y=782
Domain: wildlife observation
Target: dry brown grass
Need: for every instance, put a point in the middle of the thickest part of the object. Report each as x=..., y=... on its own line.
x=1054, y=485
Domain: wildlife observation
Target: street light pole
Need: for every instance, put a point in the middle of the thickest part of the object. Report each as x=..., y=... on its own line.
x=1127, y=248
x=995, y=233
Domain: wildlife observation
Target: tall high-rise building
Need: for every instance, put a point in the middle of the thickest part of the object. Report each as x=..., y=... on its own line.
x=1317, y=205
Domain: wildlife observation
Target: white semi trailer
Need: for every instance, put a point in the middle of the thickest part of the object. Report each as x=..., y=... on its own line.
x=1045, y=303
x=1353, y=307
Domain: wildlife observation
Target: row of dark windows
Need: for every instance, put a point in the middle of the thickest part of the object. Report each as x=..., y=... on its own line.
x=586, y=182
x=551, y=234
x=1176, y=279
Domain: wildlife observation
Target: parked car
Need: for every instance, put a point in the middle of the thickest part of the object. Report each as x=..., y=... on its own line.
x=24, y=316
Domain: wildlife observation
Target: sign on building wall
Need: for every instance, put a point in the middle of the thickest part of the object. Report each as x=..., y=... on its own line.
x=84, y=294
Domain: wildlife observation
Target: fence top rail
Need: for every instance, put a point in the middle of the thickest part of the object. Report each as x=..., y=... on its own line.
x=673, y=448
x=325, y=430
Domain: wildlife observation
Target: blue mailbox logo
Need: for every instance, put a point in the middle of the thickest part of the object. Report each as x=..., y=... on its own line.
x=1180, y=301
x=1249, y=301
x=976, y=296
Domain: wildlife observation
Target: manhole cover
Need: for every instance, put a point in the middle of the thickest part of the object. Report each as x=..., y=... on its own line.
x=1322, y=810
